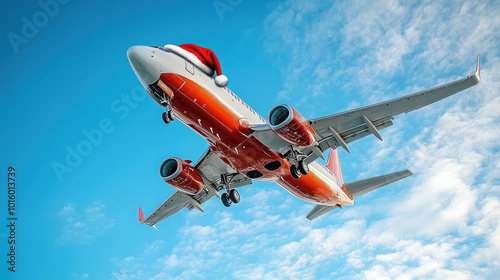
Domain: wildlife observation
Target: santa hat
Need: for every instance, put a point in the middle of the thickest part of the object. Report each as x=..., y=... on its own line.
x=204, y=59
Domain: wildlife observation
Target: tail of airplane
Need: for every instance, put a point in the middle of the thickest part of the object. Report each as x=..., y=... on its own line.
x=334, y=165
x=355, y=188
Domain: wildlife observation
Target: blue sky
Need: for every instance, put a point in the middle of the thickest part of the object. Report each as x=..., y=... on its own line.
x=70, y=78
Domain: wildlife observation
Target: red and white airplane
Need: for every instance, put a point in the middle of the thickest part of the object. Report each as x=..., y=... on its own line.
x=244, y=146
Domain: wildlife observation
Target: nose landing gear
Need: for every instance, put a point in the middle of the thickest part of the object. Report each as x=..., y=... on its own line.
x=168, y=116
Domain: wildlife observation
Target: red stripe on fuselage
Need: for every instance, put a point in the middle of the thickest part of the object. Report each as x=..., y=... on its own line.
x=232, y=140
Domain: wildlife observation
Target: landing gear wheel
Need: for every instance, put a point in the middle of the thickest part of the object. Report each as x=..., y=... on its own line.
x=165, y=118
x=303, y=168
x=294, y=170
x=234, y=195
x=226, y=200
x=171, y=115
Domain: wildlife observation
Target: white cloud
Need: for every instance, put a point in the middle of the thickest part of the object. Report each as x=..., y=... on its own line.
x=129, y=268
x=155, y=247
x=83, y=226
x=431, y=261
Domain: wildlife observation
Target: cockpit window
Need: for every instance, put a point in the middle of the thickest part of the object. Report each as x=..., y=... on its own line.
x=161, y=48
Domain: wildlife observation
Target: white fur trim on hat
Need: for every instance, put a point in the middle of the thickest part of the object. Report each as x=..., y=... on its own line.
x=221, y=80
x=191, y=57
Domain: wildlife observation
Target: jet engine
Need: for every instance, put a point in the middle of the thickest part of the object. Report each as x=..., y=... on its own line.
x=290, y=126
x=180, y=175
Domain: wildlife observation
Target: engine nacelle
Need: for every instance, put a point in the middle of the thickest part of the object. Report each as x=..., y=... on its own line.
x=180, y=175
x=290, y=126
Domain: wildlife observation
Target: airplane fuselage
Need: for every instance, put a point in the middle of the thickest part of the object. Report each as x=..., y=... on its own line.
x=226, y=121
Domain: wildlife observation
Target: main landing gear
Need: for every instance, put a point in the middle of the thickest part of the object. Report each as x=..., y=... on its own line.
x=298, y=165
x=231, y=195
x=298, y=169
x=229, y=198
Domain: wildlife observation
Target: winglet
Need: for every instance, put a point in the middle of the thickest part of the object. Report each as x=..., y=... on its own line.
x=141, y=218
x=478, y=70
x=141, y=215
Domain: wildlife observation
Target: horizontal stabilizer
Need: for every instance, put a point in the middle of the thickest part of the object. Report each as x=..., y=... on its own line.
x=319, y=210
x=361, y=187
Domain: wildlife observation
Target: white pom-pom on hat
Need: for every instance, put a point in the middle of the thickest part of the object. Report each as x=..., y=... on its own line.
x=221, y=80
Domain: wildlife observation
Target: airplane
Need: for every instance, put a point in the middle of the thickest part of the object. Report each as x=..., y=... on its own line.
x=243, y=146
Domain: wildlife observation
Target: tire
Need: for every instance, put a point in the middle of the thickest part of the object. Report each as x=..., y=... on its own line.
x=171, y=115
x=226, y=200
x=304, y=169
x=234, y=195
x=294, y=170
x=164, y=117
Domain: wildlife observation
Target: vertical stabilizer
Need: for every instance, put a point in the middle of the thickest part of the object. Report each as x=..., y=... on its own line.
x=334, y=165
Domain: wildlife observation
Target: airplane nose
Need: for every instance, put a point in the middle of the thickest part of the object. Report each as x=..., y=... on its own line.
x=141, y=59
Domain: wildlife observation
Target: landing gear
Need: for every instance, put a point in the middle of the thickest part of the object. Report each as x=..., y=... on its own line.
x=234, y=195
x=168, y=116
x=304, y=169
x=295, y=171
x=299, y=169
x=298, y=165
x=226, y=200
x=231, y=195
x=164, y=117
x=171, y=115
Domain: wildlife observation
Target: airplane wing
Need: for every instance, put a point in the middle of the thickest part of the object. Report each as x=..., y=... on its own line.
x=361, y=187
x=210, y=167
x=340, y=129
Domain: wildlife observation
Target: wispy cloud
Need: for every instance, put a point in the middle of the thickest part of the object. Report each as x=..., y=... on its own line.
x=360, y=49
x=129, y=268
x=83, y=226
x=154, y=247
